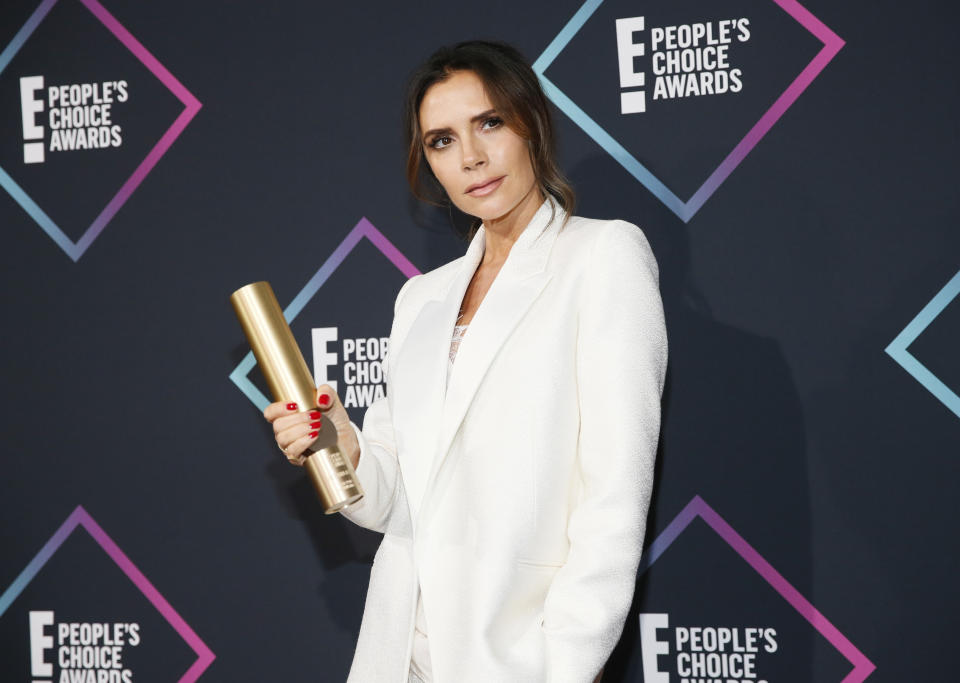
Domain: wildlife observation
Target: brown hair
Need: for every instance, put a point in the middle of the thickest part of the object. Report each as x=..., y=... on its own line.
x=515, y=92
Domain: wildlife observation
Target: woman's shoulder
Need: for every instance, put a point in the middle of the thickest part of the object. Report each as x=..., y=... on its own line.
x=604, y=240
x=600, y=228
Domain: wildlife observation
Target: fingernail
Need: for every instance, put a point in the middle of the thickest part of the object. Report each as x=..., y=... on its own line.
x=316, y=425
x=313, y=435
x=324, y=400
x=315, y=414
x=291, y=406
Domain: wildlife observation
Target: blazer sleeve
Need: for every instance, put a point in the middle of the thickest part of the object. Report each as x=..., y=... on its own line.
x=378, y=470
x=621, y=363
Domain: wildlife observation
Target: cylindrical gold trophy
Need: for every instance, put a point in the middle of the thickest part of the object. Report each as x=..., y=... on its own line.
x=289, y=380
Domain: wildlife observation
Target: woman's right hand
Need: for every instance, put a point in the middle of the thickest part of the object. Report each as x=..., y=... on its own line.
x=295, y=431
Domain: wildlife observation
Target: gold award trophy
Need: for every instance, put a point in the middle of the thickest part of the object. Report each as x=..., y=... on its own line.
x=289, y=380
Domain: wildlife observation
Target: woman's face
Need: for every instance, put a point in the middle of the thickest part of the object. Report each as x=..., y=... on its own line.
x=482, y=164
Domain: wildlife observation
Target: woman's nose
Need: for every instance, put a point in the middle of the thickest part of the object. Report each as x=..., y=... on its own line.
x=473, y=154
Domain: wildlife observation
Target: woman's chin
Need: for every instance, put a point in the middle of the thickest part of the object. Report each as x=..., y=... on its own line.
x=493, y=211
x=483, y=211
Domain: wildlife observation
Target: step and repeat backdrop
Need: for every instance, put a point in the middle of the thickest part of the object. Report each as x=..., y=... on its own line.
x=793, y=165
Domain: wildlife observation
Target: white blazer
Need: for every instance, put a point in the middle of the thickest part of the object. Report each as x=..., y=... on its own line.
x=516, y=499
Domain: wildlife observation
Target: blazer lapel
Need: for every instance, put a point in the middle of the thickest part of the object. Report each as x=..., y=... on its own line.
x=423, y=362
x=516, y=287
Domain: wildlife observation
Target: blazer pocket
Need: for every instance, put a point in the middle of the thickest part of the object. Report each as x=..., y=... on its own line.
x=533, y=580
x=546, y=566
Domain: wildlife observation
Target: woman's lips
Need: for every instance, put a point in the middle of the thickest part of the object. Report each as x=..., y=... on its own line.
x=486, y=188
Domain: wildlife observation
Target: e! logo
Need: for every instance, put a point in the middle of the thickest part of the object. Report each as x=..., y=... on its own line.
x=651, y=648
x=40, y=642
x=634, y=101
x=322, y=357
x=30, y=106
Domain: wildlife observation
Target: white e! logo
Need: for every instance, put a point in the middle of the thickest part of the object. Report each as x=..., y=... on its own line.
x=322, y=358
x=30, y=106
x=650, y=647
x=40, y=642
x=634, y=101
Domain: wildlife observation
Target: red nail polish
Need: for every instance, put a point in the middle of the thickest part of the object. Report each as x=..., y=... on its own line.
x=313, y=435
x=315, y=414
x=291, y=406
x=324, y=400
x=316, y=425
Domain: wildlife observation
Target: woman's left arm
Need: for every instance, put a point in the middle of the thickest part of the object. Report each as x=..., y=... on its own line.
x=621, y=363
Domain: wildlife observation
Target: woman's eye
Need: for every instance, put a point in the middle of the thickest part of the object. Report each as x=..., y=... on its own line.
x=492, y=122
x=440, y=142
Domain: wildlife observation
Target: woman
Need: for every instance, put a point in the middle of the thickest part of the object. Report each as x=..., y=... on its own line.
x=510, y=465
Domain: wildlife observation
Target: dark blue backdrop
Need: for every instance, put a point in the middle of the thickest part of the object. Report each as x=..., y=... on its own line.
x=808, y=463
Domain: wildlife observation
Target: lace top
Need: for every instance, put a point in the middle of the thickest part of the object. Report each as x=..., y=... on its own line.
x=458, y=333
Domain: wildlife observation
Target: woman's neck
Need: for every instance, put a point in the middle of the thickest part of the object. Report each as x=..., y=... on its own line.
x=500, y=234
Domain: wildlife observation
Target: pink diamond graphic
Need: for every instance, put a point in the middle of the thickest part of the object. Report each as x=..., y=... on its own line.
x=363, y=229
x=80, y=518
x=697, y=507
x=191, y=106
x=686, y=209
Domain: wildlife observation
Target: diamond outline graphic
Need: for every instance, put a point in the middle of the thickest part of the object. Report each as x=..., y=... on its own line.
x=897, y=349
x=191, y=106
x=364, y=228
x=80, y=518
x=686, y=210
x=697, y=507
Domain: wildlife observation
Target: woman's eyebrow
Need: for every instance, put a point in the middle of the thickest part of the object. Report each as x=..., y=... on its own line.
x=443, y=131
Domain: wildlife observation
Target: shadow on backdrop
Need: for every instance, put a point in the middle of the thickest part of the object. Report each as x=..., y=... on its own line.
x=732, y=432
